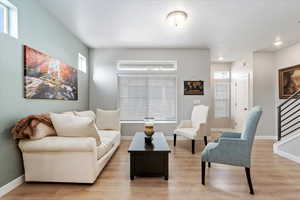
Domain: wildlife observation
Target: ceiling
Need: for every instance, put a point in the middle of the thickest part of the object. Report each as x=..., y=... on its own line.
x=229, y=28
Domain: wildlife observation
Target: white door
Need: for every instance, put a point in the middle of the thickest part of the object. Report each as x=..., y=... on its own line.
x=240, y=84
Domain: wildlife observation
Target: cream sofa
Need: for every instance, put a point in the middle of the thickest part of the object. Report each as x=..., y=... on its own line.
x=68, y=159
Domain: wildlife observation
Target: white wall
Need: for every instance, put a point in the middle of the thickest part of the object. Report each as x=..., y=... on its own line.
x=264, y=85
x=193, y=64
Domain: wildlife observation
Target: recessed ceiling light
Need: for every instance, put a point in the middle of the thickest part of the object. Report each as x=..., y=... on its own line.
x=177, y=18
x=220, y=58
x=278, y=43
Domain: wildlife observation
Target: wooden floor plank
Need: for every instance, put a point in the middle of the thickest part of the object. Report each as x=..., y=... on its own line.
x=274, y=178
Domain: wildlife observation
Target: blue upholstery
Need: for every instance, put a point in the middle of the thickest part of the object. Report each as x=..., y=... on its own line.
x=234, y=148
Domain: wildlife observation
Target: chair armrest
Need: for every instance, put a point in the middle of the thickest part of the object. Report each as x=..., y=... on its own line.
x=185, y=124
x=59, y=144
x=233, y=146
x=232, y=151
x=230, y=135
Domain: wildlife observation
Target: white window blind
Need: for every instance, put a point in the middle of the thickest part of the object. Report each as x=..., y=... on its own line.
x=147, y=96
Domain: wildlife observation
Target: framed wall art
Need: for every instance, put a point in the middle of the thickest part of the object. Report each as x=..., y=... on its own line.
x=48, y=78
x=289, y=81
x=193, y=88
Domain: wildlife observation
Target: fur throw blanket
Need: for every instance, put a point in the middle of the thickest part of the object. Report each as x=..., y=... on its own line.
x=25, y=127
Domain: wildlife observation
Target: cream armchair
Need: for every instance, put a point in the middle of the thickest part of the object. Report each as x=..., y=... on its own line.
x=195, y=128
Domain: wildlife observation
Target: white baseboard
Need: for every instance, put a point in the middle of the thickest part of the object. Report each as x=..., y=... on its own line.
x=169, y=137
x=288, y=156
x=11, y=185
x=265, y=137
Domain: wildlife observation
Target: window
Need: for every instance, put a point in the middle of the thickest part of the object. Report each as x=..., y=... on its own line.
x=8, y=18
x=143, y=93
x=221, y=93
x=3, y=18
x=82, y=65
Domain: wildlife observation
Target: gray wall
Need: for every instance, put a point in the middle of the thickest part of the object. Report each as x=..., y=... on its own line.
x=41, y=31
x=266, y=87
x=193, y=64
x=264, y=91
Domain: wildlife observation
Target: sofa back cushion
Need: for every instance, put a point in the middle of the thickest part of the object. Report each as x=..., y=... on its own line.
x=108, y=119
x=88, y=113
x=74, y=126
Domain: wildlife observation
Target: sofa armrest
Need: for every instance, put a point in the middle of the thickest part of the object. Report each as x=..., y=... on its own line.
x=59, y=144
x=185, y=124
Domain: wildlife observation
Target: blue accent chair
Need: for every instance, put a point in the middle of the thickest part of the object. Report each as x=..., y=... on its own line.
x=234, y=148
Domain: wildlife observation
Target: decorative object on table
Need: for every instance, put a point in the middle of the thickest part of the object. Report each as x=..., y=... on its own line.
x=193, y=88
x=148, y=129
x=234, y=148
x=48, y=78
x=196, y=127
x=289, y=81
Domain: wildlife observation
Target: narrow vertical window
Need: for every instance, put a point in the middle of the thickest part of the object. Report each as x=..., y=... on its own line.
x=8, y=18
x=221, y=93
x=82, y=65
x=3, y=18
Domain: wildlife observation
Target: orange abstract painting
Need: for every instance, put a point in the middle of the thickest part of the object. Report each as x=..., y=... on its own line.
x=48, y=78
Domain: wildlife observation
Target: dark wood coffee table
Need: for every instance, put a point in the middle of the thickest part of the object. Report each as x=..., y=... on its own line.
x=149, y=160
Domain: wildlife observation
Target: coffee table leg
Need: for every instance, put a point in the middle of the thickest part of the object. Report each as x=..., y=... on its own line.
x=131, y=166
x=166, y=166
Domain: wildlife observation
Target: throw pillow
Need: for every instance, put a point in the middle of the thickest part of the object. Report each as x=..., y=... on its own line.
x=41, y=131
x=88, y=113
x=108, y=119
x=74, y=126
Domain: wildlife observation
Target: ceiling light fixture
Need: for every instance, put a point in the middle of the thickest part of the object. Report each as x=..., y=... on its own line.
x=220, y=58
x=278, y=43
x=177, y=18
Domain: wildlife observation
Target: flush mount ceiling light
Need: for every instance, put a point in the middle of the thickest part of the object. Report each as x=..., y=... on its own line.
x=278, y=43
x=177, y=18
x=221, y=58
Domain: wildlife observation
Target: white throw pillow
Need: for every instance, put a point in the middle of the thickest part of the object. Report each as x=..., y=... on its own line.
x=69, y=113
x=108, y=119
x=74, y=126
x=41, y=131
x=88, y=113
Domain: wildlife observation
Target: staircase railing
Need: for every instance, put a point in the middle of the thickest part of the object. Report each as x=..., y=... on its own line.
x=289, y=116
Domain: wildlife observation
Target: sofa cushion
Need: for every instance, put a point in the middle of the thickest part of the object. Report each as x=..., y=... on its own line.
x=88, y=113
x=108, y=119
x=108, y=139
x=74, y=126
x=41, y=131
x=112, y=135
x=104, y=147
x=58, y=144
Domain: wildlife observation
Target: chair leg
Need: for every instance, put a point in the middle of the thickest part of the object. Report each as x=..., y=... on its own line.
x=203, y=172
x=249, y=179
x=193, y=146
x=174, y=140
x=205, y=140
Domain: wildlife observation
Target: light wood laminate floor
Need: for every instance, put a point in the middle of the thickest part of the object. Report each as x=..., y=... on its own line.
x=273, y=177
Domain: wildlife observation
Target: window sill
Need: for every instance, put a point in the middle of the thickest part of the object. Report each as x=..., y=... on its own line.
x=142, y=122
